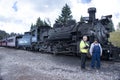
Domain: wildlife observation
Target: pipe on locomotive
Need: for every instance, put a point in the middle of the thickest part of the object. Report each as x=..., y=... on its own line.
x=92, y=12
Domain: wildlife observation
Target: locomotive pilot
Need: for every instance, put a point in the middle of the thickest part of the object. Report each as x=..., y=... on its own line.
x=84, y=47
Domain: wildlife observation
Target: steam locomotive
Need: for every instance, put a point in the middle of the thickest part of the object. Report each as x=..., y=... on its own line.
x=65, y=39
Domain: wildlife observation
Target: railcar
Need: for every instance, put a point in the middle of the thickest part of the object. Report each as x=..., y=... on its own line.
x=13, y=41
x=25, y=41
x=3, y=43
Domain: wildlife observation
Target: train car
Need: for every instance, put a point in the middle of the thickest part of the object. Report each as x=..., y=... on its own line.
x=11, y=41
x=3, y=43
x=25, y=41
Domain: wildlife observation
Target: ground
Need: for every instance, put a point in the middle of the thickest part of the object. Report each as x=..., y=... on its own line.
x=25, y=65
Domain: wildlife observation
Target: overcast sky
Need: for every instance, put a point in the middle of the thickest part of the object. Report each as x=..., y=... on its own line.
x=17, y=15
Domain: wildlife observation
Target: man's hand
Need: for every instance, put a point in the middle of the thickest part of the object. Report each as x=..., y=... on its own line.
x=86, y=47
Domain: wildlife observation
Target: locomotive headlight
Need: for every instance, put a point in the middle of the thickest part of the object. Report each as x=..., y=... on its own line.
x=108, y=51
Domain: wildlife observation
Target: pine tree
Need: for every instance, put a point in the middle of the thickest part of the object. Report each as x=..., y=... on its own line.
x=65, y=15
x=45, y=23
x=81, y=19
x=32, y=26
x=39, y=22
x=48, y=22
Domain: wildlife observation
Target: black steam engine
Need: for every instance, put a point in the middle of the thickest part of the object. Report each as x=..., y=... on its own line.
x=65, y=39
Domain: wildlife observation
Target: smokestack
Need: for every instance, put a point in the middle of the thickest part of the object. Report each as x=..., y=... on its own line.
x=92, y=12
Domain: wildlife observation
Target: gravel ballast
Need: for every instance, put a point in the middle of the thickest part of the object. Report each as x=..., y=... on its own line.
x=25, y=65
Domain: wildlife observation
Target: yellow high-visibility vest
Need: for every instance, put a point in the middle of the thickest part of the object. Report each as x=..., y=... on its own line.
x=82, y=45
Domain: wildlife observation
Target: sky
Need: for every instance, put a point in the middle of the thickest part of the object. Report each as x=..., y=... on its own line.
x=18, y=15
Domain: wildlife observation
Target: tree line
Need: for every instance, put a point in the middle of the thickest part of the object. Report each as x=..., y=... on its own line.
x=40, y=22
x=4, y=34
x=62, y=19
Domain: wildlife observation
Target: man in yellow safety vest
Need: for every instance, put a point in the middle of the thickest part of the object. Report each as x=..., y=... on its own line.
x=84, y=47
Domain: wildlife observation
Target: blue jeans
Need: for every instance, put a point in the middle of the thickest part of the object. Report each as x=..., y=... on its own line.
x=95, y=59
